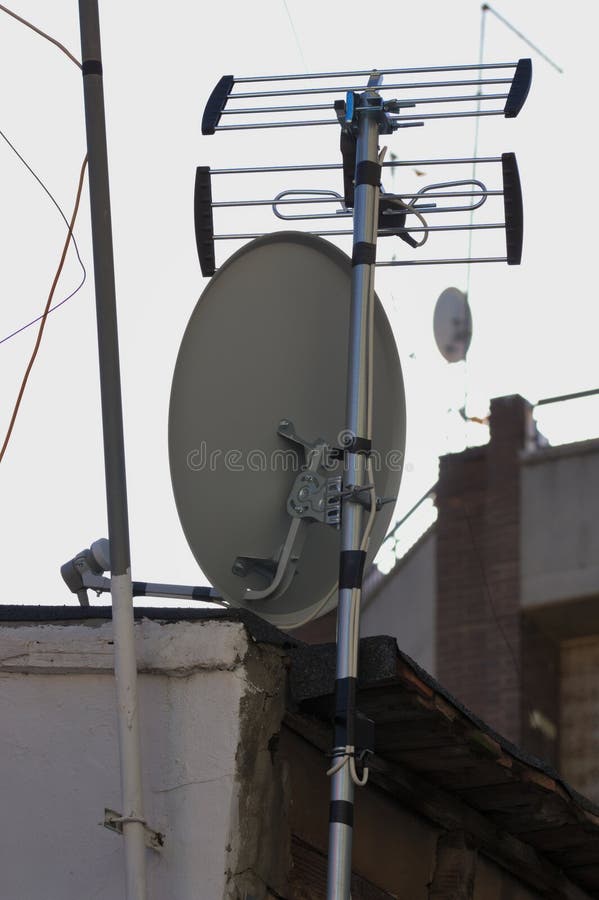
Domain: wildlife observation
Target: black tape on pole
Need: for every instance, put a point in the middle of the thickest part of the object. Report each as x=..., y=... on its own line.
x=345, y=712
x=368, y=172
x=342, y=811
x=359, y=445
x=348, y=152
x=351, y=568
x=91, y=67
x=364, y=254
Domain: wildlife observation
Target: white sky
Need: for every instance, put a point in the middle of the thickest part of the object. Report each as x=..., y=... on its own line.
x=535, y=327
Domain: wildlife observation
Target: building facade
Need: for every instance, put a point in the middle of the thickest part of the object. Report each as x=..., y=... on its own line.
x=499, y=599
x=236, y=725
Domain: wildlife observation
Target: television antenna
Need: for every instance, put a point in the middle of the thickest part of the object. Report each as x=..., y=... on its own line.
x=363, y=112
x=357, y=103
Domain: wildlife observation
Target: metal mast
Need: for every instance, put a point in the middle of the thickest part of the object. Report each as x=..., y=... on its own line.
x=125, y=666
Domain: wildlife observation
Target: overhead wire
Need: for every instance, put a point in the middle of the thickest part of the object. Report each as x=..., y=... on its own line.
x=43, y=34
x=295, y=34
x=46, y=310
x=486, y=584
x=69, y=238
x=77, y=63
x=66, y=221
x=485, y=7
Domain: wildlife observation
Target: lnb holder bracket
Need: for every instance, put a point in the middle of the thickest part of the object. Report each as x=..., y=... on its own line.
x=314, y=497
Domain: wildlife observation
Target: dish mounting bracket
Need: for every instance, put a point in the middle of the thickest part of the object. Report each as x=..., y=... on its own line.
x=314, y=497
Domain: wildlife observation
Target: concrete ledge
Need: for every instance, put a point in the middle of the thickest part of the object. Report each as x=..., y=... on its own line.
x=544, y=454
x=172, y=648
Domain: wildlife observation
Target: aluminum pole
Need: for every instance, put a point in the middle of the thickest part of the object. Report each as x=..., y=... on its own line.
x=358, y=426
x=114, y=456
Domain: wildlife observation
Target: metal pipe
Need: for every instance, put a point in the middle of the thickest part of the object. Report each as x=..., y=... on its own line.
x=221, y=204
x=411, y=102
x=255, y=170
x=268, y=109
x=441, y=262
x=397, y=120
x=454, y=115
x=578, y=395
x=114, y=454
x=341, y=89
x=382, y=232
x=369, y=72
x=224, y=203
x=414, y=101
x=297, y=124
x=428, y=262
x=357, y=419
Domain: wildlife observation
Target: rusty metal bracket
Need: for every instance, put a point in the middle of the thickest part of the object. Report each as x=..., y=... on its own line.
x=114, y=821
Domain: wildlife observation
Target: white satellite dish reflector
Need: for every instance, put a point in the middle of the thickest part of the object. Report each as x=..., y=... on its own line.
x=264, y=360
x=452, y=324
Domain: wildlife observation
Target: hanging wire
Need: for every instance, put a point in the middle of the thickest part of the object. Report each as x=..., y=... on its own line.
x=481, y=52
x=45, y=313
x=295, y=35
x=69, y=238
x=522, y=37
x=76, y=62
x=66, y=221
x=43, y=34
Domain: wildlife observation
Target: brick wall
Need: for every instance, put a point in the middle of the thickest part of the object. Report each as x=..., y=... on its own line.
x=500, y=666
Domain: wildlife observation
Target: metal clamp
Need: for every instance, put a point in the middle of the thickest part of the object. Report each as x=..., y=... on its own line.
x=315, y=497
x=114, y=821
x=303, y=506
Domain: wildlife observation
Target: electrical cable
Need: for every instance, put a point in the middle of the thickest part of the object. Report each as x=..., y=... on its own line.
x=348, y=756
x=65, y=220
x=45, y=313
x=43, y=34
x=481, y=53
x=484, y=9
x=38, y=318
x=295, y=35
x=522, y=37
x=410, y=208
x=70, y=237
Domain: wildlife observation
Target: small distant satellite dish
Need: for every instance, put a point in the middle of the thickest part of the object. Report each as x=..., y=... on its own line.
x=452, y=324
x=259, y=385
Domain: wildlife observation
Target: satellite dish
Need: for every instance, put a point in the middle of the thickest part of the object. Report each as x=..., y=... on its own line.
x=452, y=324
x=262, y=361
